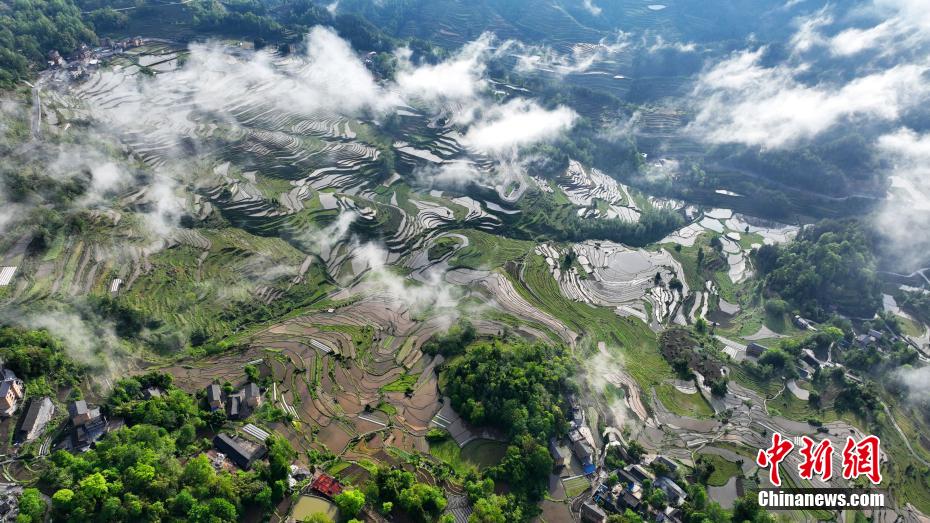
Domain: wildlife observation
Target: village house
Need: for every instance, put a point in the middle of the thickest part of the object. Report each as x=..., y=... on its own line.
x=81, y=414
x=89, y=424
x=11, y=391
x=252, y=395
x=37, y=416
x=240, y=452
x=639, y=473
x=241, y=404
x=667, y=463
x=591, y=513
x=755, y=350
x=214, y=397
x=674, y=493
x=561, y=456
x=327, y=485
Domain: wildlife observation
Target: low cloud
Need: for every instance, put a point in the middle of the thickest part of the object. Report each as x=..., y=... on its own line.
x=904, y=218
x=917, y=383
x=458, y=79
x=516, y=124
x=582, y=57
x=86, y=338
x=591, y=8
x=433, y=296
x=455, y=173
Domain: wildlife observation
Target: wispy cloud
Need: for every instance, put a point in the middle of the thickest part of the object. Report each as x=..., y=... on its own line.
x=517, y=123
x=741, y=100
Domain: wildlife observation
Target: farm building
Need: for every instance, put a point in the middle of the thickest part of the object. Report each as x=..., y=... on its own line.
x=327, y=485
x=755, y=350
x=214, y=397
x=37, y=416
x=591, y=513
x=242, y=453
x=11, y=391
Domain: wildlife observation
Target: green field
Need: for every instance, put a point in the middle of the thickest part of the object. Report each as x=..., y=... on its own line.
x=401, y=384
x=575, y=486
x=628, y=339
x=723, y=470
x=476, y=455
x=690, y=405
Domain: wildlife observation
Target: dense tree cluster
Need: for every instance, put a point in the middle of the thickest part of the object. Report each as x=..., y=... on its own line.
x=916, y=303
x=174, y=410
x=513, y=385
x=153, y=470
x=830, y=265
x=29, y=29
x=517, y=387
x=134, y=474
x=452, y=342
x=398, y=489
x=36, y=353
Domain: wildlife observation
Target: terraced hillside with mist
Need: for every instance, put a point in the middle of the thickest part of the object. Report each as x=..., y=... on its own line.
x=486, y=261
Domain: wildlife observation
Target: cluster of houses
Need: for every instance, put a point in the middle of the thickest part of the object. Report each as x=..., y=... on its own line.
x=628, y=493
x=85, y=57
x=238, y=405
x=581, y=444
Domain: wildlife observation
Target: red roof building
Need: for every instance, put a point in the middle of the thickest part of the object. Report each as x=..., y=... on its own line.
x=326, y=485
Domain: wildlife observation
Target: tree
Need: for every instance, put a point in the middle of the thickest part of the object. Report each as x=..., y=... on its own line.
x=280, y=457
x=627, y=517
x=487, y=510
x=31, y=506
x=422, y=502
x=747, y=508
x=831, y=265
x=61, y=500
x=350, y=502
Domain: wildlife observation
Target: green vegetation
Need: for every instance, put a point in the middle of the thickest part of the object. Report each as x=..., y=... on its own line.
x=442, y=247
x=33, y=354
x=688, y=352
x=917, y=304
x=575, y=486
x=714, y=470
x=476, y=456
x=630, y=337
x=134, y=473
x=831, y=264
x=404, y=383
x=350, y=502
x=486, y=250
x=453, y=341
x=541, y=218
x=154, y=468
x=677, y=402
x=514, y=386
x=32, y=507
x=32, y=28
x=422, y=503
